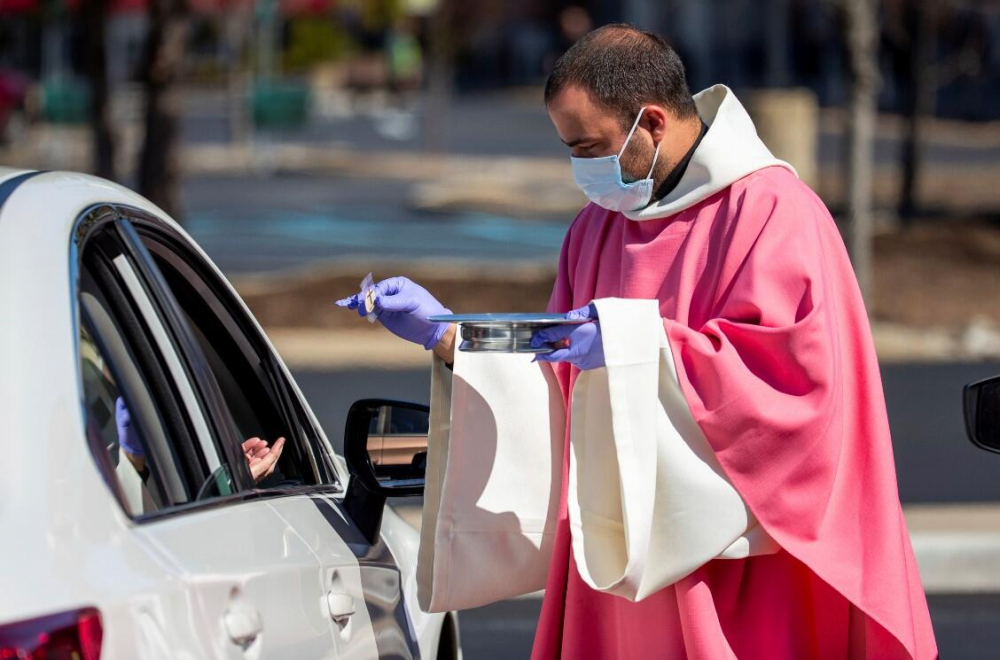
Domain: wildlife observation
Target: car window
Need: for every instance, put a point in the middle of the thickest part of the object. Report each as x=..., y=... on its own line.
x=136, y=428
x=122, y=442
x=404, y=421
x=257, y=398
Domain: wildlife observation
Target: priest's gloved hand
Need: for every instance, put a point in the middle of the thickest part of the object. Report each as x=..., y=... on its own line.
x=580, y=345
x=402, y=307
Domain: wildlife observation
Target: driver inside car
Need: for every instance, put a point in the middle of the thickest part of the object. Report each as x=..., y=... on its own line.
x=261, y=458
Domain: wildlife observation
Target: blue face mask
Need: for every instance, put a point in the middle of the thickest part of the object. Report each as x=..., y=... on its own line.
x=601, y=181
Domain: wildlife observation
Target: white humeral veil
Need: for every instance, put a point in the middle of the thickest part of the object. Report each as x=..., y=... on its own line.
x=648, y=502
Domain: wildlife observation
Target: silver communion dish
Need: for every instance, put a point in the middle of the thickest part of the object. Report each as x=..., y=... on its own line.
x=502, y=333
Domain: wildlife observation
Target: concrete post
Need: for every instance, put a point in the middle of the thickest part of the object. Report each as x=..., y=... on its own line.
x=787, y=120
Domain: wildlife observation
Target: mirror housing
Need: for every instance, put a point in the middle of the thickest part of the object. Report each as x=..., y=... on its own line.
x=982, y=413
x=385, y=445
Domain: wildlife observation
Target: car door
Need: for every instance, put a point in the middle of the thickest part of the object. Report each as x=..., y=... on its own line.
x=254, y=584
x=360, y=587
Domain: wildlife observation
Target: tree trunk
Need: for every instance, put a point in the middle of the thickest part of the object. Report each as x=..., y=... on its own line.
x=440, y=76
x=921, y=89
x=95, y=62
x=161, y=68
x=862, y=45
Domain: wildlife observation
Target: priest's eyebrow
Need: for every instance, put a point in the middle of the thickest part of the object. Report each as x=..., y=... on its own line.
x=578, y=141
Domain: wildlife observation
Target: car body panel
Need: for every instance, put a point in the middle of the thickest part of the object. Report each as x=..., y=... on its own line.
x=247, y=556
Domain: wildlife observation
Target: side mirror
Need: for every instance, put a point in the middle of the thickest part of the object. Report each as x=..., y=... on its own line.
x=982, y=413
x=385, y=444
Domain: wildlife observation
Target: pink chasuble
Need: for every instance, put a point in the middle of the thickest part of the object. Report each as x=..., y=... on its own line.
x=775, y=358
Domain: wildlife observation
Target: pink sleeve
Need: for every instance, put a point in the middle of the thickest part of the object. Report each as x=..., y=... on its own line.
x=784, y=383
x=763, y=378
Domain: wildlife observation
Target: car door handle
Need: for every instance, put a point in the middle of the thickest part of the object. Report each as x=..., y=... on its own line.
x=341, y=606
x=243, y=625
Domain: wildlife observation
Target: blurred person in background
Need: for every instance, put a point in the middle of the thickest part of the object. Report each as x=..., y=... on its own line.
x=733, y=492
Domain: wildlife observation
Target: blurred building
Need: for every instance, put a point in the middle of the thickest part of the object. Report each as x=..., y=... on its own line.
x=759, y=43
x=948, y=50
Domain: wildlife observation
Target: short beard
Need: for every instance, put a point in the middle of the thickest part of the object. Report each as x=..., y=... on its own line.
x=636, y=160
x=635, y=165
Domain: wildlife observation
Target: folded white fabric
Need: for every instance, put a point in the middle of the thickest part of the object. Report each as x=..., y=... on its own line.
x=494, y=470
x=648, y=502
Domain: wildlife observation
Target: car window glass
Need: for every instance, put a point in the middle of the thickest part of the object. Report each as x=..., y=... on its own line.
x=110, y=428
x=257, y=399
x=148, y=466
x=405, y=421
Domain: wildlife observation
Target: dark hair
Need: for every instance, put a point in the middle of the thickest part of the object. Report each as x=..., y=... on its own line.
x=624, y=68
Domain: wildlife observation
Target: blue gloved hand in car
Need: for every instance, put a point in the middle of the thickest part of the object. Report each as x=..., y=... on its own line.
x=584, y=348
x=127, y=439
x=402, y=307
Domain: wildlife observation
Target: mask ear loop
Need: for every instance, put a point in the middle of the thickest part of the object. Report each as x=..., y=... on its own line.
x=656, y=154
x=628, y=137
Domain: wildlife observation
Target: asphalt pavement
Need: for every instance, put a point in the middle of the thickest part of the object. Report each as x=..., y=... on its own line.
x=248, y=226
x=966, y=628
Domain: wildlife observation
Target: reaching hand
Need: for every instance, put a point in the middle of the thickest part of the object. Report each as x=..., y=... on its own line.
x=580, y=345
x=262, y=459
x=403, y=306
x=127, y=439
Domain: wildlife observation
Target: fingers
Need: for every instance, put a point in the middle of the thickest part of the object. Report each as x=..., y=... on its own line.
x=122, y=415
x=399, y=300
x=353, y=302
x=561, y=355
x=551, y=335
x=350, y=302
x=264, y=460
x=271, y=457
x=391, y=286
x=253, y=444
x=588, y=313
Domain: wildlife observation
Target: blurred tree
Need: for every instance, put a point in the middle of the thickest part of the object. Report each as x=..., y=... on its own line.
x=313, y=40
x=161, y=65
x=442, y=51
x=923, y=66
x=95, y=15
x=861, y=19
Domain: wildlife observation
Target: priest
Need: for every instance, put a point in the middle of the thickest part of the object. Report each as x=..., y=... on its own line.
x=702, y=467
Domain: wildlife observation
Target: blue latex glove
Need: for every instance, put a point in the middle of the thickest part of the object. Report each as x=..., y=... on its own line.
x=126, y=432
x=403, y=307
x=586, y=348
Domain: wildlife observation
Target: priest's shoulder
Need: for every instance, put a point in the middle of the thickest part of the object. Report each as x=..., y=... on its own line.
x=784, y=198
x=778, y=183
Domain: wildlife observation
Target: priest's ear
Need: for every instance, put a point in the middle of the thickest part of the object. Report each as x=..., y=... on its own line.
x=658, y=121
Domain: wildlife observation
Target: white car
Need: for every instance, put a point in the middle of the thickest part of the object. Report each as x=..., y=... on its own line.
x=131, y=523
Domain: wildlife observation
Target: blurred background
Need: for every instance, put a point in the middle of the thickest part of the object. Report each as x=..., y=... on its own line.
x=304, y=143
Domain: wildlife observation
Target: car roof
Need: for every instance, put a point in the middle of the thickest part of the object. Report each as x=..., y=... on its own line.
x=70, y=192
x=10, y=173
